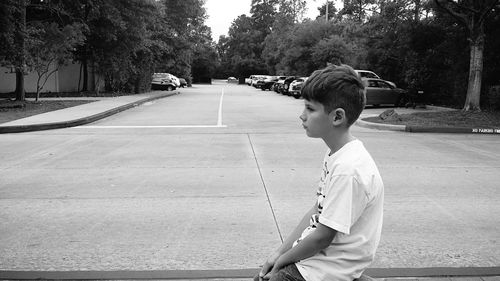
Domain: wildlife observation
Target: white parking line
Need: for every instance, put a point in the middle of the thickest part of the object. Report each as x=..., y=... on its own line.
x=159, y=126
x=219, y=119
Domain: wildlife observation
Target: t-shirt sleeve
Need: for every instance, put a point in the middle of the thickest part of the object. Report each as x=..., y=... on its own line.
x=344, y=202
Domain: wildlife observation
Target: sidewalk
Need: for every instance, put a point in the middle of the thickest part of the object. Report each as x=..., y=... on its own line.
x=80, y=115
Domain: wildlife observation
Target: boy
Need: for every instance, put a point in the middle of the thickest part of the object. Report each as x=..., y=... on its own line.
x=336, y=240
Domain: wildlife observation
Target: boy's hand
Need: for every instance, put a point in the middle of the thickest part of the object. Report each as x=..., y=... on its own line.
x=276, y=267
x=264, y=273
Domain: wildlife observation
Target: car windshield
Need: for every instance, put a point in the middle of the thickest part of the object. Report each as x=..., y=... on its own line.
x=160, y=75
x=366, y=74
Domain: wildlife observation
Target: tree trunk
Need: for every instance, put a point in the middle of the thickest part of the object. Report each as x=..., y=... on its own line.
x=21, y=60
x=417, y=10
x=20, y=93
x=85, y=87
x=472, y=100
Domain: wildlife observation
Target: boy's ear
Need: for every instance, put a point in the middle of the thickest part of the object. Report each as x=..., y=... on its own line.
x=338, y=116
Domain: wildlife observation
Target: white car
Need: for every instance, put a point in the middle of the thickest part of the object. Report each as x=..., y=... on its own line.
x=248, y=80
x=296, y=87
x=164, y=81
x=371, y=74
x=176, y=80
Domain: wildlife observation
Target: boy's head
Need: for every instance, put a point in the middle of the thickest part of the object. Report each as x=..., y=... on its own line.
x=337, y=87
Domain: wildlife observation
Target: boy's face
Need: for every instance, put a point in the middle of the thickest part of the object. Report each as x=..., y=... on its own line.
x=315, y=120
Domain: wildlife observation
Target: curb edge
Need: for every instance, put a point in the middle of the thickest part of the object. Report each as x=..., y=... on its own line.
x=80, y=121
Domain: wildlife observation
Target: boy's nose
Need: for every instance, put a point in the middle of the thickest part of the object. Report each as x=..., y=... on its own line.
x=302, y=117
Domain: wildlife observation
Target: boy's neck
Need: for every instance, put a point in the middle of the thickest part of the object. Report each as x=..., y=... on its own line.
x=337, y=139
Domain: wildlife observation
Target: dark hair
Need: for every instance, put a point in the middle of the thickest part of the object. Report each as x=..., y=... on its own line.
x=337, y=86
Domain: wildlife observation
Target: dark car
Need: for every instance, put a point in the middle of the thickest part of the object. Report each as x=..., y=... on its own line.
x=183, y=82
x=261, y=81
x=286, y=85
x=278, y=84
x=268, y=83
x=379, y=92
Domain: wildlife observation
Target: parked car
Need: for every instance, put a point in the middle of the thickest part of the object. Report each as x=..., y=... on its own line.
x=379, y=92
x=367, y=74
x=255, y=78
x=248, y=80
x=278, y=85
x=266, y=82
x=183, y=82
x=286, y=85
x=269, y=83
x=371, y=74
x=296, y=87
x=164, y=81
x=260, y=80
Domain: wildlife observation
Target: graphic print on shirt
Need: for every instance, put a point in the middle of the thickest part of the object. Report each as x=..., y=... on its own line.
x=313, y=222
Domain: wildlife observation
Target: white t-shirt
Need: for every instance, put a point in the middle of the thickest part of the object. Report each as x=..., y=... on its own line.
x=350, y=200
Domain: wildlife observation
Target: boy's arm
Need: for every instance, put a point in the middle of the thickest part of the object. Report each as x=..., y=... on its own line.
x=297, y=232
x=309, y=246
x=288, y=243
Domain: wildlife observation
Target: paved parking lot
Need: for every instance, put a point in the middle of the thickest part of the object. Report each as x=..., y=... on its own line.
x=214, y=177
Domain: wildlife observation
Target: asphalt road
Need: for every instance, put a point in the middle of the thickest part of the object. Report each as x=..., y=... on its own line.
x=214, y=177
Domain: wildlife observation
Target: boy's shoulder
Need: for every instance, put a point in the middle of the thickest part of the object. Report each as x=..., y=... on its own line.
x=352, y=159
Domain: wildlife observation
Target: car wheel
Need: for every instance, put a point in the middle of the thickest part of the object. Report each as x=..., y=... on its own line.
x=170, y=88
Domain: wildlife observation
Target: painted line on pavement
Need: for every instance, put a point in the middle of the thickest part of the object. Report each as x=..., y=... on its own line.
x=219, y=117
x=151, y=127
x=219, y=122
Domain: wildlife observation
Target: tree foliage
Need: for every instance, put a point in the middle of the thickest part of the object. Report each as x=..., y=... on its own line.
x=414, y=43
x=472, y=15
x=48, y=47
x=122, y=42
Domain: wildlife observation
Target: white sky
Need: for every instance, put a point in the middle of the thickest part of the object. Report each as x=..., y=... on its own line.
x=221, y=13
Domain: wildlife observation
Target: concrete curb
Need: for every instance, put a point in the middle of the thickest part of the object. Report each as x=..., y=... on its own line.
x=80, y=121
x=238, y=274
x=452, y=130
x=380, y=126
x=426, y=129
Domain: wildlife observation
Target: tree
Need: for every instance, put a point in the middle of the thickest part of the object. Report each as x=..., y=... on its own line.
x=357, y=10
x=12, y=41
x=313, y=44
x=472, y=15
x=119, y=44
x=17, y=32
x=243, y=41
x=49, y=46
x=82, y=11
x=263, y=13
x=184, y=32
x=295, y=9
x=333, y=49
x=332, y=11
